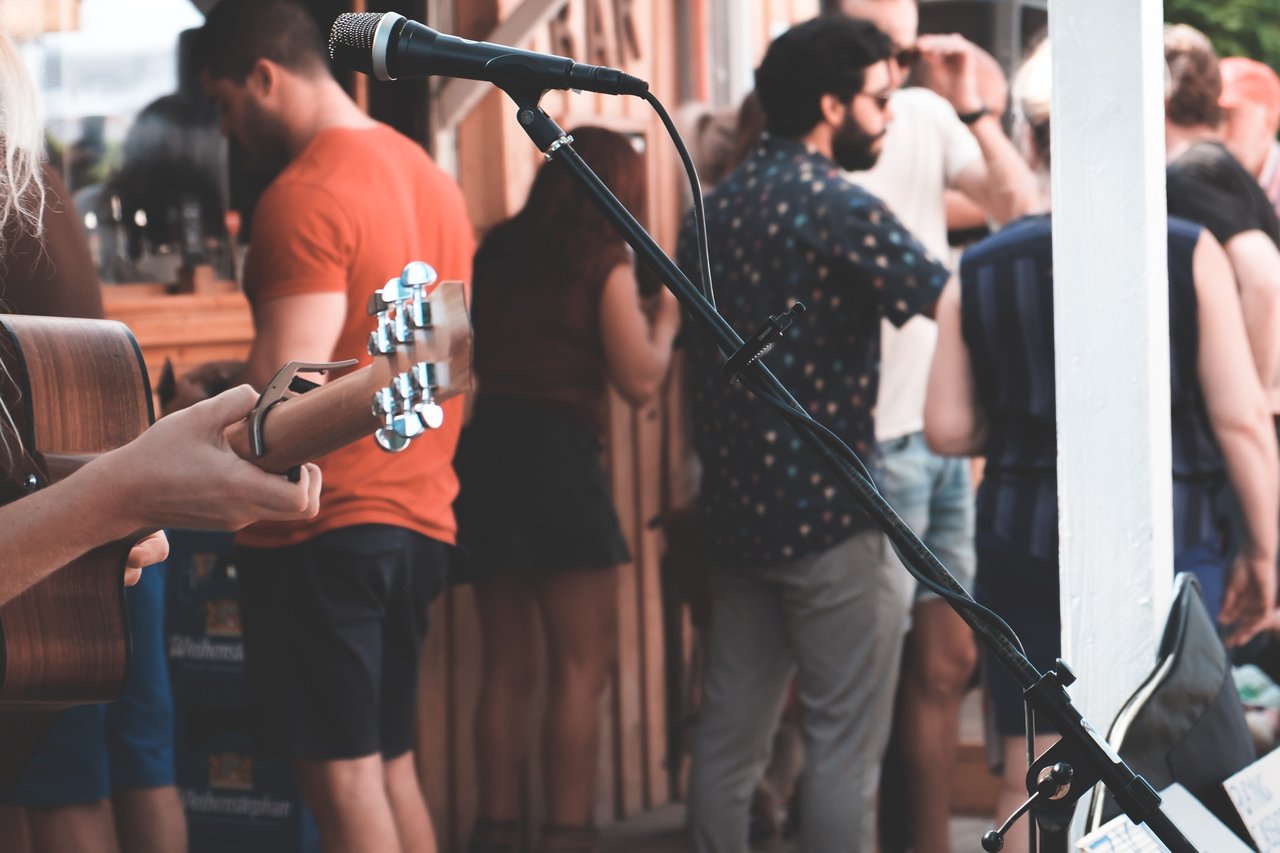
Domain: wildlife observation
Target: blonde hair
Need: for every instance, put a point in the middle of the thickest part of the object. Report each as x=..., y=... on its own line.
x=1033, y=101
x=21, y=188
x=21, y=146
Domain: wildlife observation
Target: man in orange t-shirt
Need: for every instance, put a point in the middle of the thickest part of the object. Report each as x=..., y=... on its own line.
x=335, y=608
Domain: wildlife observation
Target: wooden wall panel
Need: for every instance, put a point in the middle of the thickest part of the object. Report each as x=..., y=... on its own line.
x=432, y=747
x=775, y=16
x=648, y=451
x=629, y=748
x=186, y=329
x=650, y=504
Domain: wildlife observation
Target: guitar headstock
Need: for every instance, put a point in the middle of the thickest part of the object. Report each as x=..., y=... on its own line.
x=425, y=325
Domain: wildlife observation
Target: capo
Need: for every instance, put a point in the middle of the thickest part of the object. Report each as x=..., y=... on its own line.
x=285, y=382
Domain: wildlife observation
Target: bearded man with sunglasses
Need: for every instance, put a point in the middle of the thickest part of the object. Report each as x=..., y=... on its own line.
x=944, y=137
x=800, y=578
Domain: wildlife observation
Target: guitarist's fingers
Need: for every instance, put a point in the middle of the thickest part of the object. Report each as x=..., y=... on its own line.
x=228, y=407
x=145, y=552
x=313, y=481
x=212, y=416
x=280, y=499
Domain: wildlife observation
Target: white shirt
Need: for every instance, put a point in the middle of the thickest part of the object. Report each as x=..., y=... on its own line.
x=925, y=149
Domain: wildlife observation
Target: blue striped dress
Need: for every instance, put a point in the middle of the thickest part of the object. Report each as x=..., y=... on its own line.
x=1006, y=299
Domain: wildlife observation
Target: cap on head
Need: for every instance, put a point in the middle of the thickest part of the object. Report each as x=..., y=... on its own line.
x=1246, y=81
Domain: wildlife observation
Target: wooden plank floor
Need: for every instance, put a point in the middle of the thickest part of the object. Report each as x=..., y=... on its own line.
x=973, y=803
x=661, y=831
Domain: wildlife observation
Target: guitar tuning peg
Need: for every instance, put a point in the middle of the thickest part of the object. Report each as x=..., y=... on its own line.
x=401, y=423
x=381, y=300
x=424, y=377
x=390, y=440
x=382, y=338
x=417, y=275
x=432, y=415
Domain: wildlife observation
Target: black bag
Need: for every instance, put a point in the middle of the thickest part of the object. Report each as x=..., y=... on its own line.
x=1185, y=724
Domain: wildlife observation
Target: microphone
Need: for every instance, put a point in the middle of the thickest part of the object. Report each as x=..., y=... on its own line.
x=390, y=45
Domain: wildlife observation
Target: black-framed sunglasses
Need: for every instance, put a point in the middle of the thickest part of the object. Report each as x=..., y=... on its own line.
x=907, y=57
x=882, y=101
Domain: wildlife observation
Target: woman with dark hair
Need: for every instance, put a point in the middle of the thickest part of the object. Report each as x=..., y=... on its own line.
x=991, y=393
x=559, y=319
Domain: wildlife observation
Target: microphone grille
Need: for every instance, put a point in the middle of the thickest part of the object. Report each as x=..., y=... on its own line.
x=351, y=39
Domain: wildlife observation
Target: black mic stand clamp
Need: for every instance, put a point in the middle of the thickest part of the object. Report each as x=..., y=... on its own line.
x=1064, y=773
x=761, y=342
x=1081, y=757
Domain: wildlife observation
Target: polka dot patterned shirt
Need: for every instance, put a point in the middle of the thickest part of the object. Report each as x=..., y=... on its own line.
x=787, y=227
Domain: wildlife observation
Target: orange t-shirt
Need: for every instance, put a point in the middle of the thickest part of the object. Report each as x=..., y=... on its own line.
x=346, y=215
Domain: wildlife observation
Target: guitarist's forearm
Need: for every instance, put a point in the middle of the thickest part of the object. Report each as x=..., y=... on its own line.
x=48, y=529
x=179, y=473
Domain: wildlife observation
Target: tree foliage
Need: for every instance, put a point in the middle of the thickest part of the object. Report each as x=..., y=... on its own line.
x=1237, y=27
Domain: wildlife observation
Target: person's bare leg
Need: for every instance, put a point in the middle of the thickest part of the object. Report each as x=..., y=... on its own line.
x=580, y=615
x=408, y=806
x=503, y=732
x=940, y=657
x=150, y=820
x=350, y=803
x=1013, y=789
x=82, y=828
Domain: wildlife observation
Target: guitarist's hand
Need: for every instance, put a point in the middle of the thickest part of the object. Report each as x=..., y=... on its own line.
x=182, y=473
x=145, y=552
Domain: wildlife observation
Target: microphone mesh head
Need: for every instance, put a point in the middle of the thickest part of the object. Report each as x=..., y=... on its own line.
x=351, y=39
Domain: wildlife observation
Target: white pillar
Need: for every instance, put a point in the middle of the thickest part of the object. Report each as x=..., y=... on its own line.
x=734, y=50
x=1111, y=328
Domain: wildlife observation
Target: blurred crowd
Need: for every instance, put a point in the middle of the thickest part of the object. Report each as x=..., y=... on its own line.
x=896, y=185
x=870, y=176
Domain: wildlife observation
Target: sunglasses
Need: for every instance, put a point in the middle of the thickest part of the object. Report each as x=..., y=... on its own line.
x=907, y=57
x=882, y=101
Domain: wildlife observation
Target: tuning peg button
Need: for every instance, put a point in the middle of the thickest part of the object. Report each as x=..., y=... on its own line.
x=418, y=275
x=432, y=415
x=390, y=440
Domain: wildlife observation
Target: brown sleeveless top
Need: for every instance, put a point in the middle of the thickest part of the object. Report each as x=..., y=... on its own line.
x=537, y=331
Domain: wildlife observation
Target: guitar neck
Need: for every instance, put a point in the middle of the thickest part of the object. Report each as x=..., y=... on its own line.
x=308, y=426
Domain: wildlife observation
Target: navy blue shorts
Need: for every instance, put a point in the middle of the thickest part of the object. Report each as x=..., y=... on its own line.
x=1023, y=590
x=333, y=631
x=92, y=749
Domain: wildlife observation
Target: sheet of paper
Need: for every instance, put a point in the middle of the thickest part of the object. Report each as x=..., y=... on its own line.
x=1255, y=792
x=1197, y=823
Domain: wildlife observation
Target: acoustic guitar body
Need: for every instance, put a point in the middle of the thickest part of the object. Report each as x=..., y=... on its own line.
x=73, y=387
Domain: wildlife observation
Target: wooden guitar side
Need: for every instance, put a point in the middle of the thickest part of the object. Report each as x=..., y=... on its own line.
x=73, y=387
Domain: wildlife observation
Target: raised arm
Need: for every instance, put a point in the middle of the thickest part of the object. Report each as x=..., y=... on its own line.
x=637, y=338
x=1001, y=182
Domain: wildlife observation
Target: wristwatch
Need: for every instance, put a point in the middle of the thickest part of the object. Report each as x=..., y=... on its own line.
x=970, y=118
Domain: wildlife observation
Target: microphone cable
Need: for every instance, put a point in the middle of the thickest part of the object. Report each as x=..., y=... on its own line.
x=801, y=419
x=695, y=185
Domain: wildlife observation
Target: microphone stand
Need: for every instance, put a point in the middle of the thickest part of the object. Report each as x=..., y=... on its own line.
x=1081, y=758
